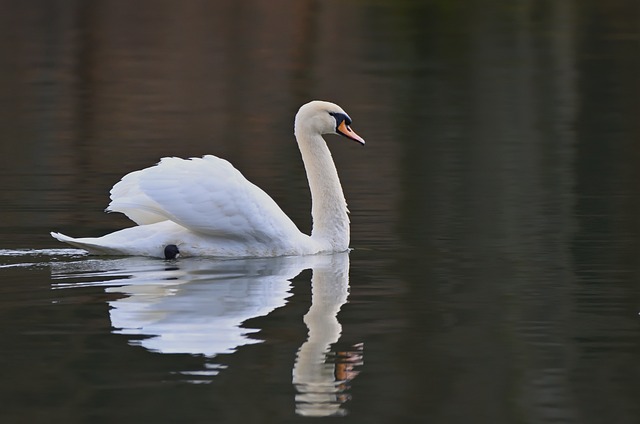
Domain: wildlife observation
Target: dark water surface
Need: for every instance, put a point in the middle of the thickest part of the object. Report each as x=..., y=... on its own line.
x=495, y=276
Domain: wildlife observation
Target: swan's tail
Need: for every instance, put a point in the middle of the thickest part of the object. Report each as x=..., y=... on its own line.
x=86, y=244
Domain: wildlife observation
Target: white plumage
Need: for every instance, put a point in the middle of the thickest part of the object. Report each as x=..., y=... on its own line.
x=206, y=207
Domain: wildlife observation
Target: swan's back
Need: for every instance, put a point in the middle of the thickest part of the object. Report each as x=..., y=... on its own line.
x=205, y=195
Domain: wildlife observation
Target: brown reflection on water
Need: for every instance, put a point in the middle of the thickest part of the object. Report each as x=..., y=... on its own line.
x=502, y=204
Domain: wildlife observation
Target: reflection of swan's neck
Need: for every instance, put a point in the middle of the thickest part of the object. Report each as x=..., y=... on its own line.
x=328, y=206
x=314, y=375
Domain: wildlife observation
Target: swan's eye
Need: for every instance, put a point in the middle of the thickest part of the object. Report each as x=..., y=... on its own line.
x=339, y=117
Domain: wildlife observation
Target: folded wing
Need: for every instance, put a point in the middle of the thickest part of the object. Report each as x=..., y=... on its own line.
x=205, y=195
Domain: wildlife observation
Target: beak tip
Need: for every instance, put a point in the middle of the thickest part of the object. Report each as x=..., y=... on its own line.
x=345, y=130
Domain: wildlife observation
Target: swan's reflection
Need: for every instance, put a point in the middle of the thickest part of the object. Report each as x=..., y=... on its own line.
x=197, y=306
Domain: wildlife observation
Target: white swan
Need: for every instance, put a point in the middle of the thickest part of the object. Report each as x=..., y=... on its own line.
x=205, y=207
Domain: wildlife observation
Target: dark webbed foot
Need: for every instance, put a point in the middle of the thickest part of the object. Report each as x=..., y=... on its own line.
x=171, y=251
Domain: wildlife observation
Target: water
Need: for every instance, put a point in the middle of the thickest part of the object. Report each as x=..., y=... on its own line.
x=494, y=276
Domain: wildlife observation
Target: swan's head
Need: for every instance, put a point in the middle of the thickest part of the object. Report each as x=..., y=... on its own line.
x=325, y=118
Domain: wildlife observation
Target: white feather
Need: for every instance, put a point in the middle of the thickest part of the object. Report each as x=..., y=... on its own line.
x=205, y=195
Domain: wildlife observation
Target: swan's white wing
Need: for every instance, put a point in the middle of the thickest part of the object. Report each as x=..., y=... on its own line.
x=206, y=195
x=129, y=199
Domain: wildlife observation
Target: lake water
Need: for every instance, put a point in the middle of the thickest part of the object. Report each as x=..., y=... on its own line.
x=495, y=272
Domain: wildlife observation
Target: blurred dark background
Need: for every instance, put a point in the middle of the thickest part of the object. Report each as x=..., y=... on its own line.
x=495, y=207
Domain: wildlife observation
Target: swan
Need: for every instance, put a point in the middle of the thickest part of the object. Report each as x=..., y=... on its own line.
x=206, y=207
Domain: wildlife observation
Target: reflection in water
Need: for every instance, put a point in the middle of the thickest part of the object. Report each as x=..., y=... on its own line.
x=320, y=375
x=198, y=306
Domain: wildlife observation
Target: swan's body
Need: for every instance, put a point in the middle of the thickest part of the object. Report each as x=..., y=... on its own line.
x=206, y=207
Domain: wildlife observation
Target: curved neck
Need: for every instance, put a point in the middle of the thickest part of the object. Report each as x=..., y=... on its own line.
x=328, y=206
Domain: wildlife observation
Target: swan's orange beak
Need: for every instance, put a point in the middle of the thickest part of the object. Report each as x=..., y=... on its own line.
x=346, y=131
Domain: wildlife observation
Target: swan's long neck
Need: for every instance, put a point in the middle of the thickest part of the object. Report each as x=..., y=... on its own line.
x=328, y=206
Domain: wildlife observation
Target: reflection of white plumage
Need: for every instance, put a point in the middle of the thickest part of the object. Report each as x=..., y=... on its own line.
x=205, y=206
x=201, y=312
x=197, y=306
